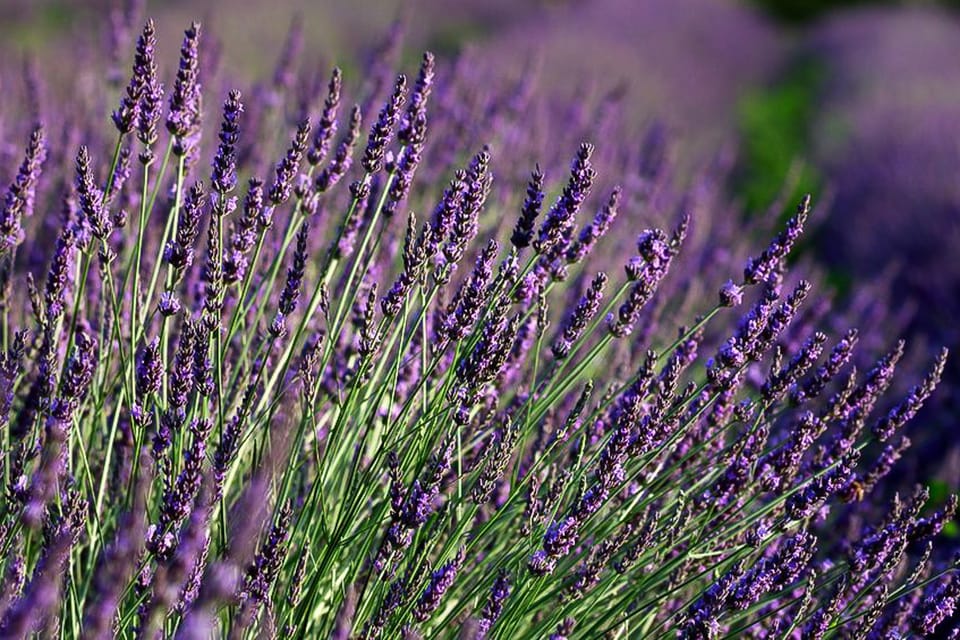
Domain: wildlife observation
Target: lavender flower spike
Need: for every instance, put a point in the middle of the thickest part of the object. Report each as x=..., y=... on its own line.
x=523, y=233
x=327, y=127
x=128, y=113
x=224, y=177
x=18, y=200
x=383, y=128
x=558, y=225
x=762, y=268
x=910, y=405
x=184, y=115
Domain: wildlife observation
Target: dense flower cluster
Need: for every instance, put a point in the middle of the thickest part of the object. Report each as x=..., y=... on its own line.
x=333, y=386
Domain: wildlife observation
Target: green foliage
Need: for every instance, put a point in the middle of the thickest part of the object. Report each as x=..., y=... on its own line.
x=775, y=126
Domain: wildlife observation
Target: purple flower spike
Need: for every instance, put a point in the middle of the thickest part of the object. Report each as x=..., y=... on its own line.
x=183, y=118
x=287, y=168
x=909, y=406
x=383, y=128
x=327, y=127
x=91, y=197
x=441, y=580
x=763, y=268
x=224, y=177
x=499, y=592
x=19, y=198
x=576, y=323
x=343, y=158
x=142, y=81
x=556, y=229
x=523, y=233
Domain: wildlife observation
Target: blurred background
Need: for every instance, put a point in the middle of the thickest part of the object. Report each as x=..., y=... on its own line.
x=857, y=101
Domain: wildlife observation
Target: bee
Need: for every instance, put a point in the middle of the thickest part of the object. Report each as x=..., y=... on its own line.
x=855, y=492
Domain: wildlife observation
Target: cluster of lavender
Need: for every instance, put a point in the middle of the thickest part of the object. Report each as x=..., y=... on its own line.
x=363, y=379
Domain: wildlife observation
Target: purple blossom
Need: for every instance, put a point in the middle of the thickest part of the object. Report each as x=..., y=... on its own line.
x=224, y=177
x=383, y=128
x=440, y=581
x=557, y=228
x=327, y=126
x=763, y=267
x=183, y=118
x=523, y=233
x=19, y=199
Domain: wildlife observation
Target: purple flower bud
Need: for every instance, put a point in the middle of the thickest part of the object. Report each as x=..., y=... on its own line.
x=183, y=117
x=499, y=592
x=327, y=127
x=763, y=268
x=152, y=96
x=596, y=229
x=839, y=356
x=938, y=604
x=287, y=167
x=168, y=305
x=224, y=177
x=909, y=406
x=383, y=128
x=523, y=233
x=150, y=369
x=291, y=289
x=244, y=233
x=142, y=81
x=91, y=197
x=577, y=321
x=730, y=295
x=558, y=225
x=440, y=581
x=54, y=293
x=19, y=199
x=338, y=167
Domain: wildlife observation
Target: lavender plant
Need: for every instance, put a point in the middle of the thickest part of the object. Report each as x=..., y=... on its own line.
x=302, y=369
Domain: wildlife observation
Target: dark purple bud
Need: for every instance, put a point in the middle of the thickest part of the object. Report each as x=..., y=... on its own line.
x=764, y=267
x=383, y=128
x=557, y=228
x=327, y=127
x=152, y=97
x=938, y=604
x=142, y=80
x=91, y=197
x=168, y=305
x=806, y=357
x=564, y=630
x=224, y=177
x=410, y=131
x=576, y=322
x=288, y=167
x=59, y=274
x=494, y=606
x=183, y=118
x=440, y=581
x=839, y=356
x=523, y=233
x=244, y=233
x=291, y=289
x=150, y=369
x=731, y=295
x=343, y=158
x=595, y=230
x=19, y=199
x=909, y=406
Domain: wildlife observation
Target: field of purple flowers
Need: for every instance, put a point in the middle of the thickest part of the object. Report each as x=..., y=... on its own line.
x=480, y=344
